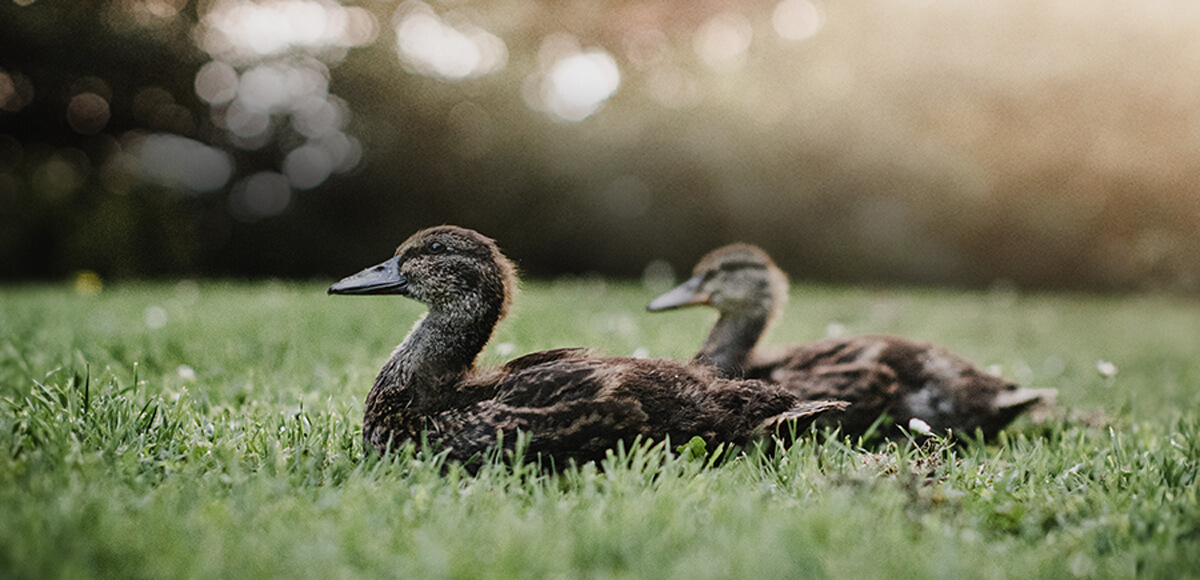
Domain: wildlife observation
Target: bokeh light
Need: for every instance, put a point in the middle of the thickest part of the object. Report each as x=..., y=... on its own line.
x=722, y=41
x=164, y=8
x=152, y=13
x=269, y=74
x=156, y=109
x=175, y=161
x=262, y=195
x=430, y=45
x=15, y=91
x=87, y=113
x=217, y=83
x=314, y=116
x=342, y=150
x=574, y=82
x=249, y=125
x=60, y=176
x=673, y=87
x=307, y=166
x=88, y=283
x=796, y=19
x=578, y=85
x=155, y=317
x=279, y=86
x=241, y=31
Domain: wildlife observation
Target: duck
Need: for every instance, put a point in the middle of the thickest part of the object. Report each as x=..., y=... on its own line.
x=877, y=374
x=571, y=405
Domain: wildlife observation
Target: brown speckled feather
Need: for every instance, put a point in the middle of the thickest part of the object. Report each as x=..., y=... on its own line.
x=875, y=373
x=578, y=407
x=906, y=379
x=572, y=405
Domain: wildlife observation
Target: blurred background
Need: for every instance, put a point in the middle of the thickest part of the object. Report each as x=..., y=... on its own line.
x=1042, y=144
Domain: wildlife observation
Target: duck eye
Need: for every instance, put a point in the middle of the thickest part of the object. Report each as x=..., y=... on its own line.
x=436, y=248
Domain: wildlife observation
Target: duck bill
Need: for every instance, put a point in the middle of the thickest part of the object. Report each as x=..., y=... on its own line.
x=683, y=295
x=384, y=278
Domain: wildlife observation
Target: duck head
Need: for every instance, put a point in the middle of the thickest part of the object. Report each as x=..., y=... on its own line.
x=746, y=288
x=448, y=268
x=733, y=279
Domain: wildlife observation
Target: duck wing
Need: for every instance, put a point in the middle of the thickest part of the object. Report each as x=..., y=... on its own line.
x=545, y=356
x=903, y=377
x=852, y=370
x=575, y=408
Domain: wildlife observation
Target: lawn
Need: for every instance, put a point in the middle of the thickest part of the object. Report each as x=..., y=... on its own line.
x=210, y=430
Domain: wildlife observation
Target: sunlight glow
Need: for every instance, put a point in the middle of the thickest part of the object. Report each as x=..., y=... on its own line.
x=724, y=40
x=579, y=84
x=298, y=88
x=282, y=86
x=673, y=87
x=574, y=82
x=796, y=19
x=240, y=30
x=429, y=45
x=269, y=77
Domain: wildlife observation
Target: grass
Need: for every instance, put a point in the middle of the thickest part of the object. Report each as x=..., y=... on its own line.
x=211, y=430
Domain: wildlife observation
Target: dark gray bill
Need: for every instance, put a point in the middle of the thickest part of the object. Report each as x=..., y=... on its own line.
x=384, y=278
x=686, y=294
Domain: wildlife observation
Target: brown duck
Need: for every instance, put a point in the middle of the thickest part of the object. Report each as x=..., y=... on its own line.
x=876, y=373
x=573, y=406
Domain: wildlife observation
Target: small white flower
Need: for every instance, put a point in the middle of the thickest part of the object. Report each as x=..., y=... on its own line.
x=186, y=372
x=155, y=316
x=505, y=348
x=641, y=352
x=918, y=426
x=835, y=330
x=1106, y=368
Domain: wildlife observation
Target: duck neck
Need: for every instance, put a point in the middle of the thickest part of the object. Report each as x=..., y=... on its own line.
x=732, y=338
x=439, y=351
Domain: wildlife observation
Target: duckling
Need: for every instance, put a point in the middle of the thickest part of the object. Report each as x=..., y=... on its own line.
x=905, y=378
x=573, y=406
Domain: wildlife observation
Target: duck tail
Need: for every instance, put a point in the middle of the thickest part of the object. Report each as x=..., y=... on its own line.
x=803, y=414
x=1018, y=400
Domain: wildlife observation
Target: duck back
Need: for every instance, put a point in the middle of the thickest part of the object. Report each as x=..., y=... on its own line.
x=575, y=407
x=907, y=379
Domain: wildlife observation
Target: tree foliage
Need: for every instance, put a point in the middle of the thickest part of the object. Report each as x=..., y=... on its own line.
x=1050, y=146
